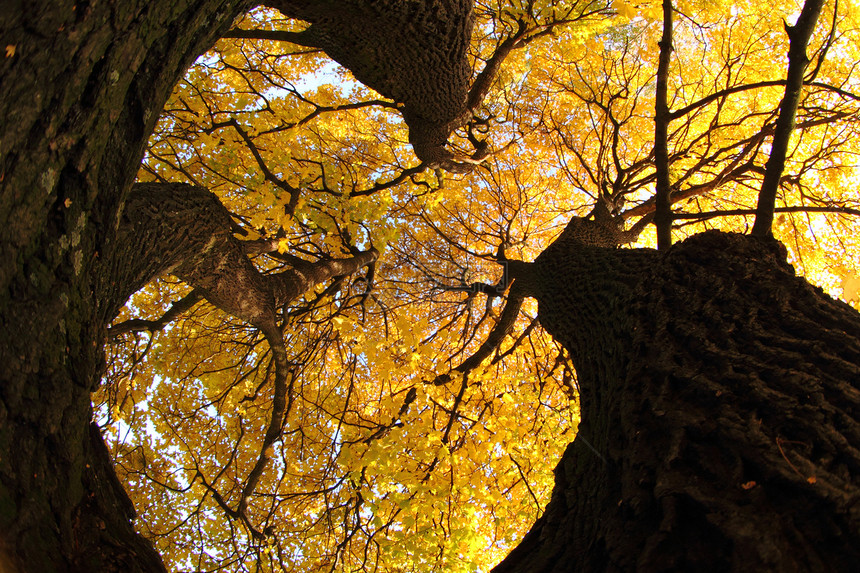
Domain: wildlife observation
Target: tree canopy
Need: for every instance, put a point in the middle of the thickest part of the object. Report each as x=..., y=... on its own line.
x=427, y=407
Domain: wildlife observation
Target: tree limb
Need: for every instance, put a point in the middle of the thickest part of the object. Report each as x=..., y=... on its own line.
x=299, y=38
x=795, y=209
x=139, y=324
x=663, y=203
x=754, y=86
x=798, y=36
x=186, y=231
x=290, y=207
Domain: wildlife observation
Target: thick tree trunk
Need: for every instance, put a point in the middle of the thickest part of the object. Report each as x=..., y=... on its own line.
x=720, y=413
x=720, y=393
x=78, y=98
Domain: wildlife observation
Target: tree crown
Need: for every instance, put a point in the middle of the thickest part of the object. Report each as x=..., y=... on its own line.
x=407, y=429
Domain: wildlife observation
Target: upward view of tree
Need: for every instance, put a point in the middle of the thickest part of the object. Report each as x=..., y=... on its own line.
x=367, y=285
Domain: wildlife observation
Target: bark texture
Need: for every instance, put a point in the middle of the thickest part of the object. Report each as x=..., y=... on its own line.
x=78, y=99
x=413, y=52
x=715, y=384
x=720, y=413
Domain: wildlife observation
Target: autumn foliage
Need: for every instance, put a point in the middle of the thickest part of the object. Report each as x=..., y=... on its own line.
x=399, y=453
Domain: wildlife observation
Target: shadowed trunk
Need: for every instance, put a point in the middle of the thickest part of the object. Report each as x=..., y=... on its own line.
x=412, y=52
x=720, y=408
x=78, y=98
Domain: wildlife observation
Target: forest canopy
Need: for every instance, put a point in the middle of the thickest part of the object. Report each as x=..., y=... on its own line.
x=427, y=411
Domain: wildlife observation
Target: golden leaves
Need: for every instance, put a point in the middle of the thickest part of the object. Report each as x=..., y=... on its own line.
x=851, y=289
x=379, y=467
x=651, y=10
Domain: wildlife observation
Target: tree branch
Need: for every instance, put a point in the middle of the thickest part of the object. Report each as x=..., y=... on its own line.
x=186, y=231
x=139, y=324
x=795, y=209
x=321, y=109
x=299, y=38
x=754, y=86
x=290, y=207
x=401, y=177
x=663, y=203
x=502, y=328
x=798, y=36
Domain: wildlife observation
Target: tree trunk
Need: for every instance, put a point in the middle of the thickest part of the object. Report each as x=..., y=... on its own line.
x=720, y=398
x=78, y=97
x=415, y=53
x=720, y=406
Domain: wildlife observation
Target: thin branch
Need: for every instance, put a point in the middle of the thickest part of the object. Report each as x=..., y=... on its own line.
x=525, y=481
x=138, y=324
x=401, y=177
x=822, y=52
x=734, y=171
x=795, y=209
x=755, y=86
x=299, y=38
x=321, y=109
x=290, y=207
x=506, y=323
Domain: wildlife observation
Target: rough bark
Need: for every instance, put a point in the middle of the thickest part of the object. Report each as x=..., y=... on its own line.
x=715, y=384
x=720, y=410
x=78, y=99
x=412, y=52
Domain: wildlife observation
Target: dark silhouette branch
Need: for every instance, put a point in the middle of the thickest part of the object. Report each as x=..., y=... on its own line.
x=742, y=165
x=663, y=203
x=322, y=109
x=822, y=52
x=381, y=186
x=798, y=36
x=755, y=86
x=299, y=38
x=503, y=327
x=290, y=207
x=138, y=324
x=796, y=209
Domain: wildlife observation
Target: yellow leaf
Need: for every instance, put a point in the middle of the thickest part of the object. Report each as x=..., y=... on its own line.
x=851, y=288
